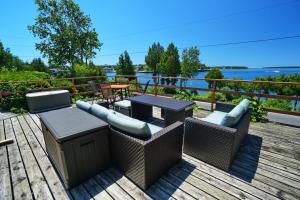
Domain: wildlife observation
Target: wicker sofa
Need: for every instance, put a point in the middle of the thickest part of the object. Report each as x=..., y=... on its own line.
x=143, y=160
x=215, y=144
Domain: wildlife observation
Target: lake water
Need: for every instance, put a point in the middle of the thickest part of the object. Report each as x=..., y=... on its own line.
x=246, y=74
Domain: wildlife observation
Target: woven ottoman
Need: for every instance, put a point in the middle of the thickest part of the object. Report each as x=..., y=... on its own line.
x=123, y=107
x=77, y=143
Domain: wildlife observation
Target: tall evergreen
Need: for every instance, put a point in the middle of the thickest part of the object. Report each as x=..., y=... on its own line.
x=169, y=64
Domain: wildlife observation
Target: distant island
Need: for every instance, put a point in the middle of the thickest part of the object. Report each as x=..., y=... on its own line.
x=284, y=67
x=231, y=67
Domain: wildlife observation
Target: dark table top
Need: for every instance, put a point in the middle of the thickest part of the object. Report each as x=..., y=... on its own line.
x=162, y=102
x=68, y=123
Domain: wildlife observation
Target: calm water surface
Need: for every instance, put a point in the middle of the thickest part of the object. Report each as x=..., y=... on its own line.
x=246, y=74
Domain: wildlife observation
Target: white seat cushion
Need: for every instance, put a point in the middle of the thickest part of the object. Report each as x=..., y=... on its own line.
x=123, y=104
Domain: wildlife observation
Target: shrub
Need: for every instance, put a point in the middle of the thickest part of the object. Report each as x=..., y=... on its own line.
x=280, y=104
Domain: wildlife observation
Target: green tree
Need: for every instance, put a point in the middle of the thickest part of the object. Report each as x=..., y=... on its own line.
x=8, y=60
x=65, y=33
x=190, y=62
x=124, y=66
x=153, y=57
x=214, y=73
x=38, y=65
x=169, y=64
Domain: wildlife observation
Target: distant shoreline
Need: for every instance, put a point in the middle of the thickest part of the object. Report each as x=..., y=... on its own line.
x=281, y=67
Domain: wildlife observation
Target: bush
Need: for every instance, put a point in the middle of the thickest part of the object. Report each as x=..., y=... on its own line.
x=280, y=104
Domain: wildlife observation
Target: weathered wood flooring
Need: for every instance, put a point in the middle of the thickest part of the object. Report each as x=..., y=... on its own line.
x=266, y=167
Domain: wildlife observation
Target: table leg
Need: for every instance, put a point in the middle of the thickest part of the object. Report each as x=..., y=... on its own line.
x=141, y=111
x=173, y=116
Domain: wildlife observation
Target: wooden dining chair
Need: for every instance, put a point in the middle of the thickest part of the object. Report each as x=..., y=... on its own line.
x=107, y=93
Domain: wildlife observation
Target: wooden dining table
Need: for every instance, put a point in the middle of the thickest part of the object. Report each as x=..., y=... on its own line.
x=121, y=88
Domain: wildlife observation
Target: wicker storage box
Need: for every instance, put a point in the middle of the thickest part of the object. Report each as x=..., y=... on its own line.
x=47, y=100
x=77, y=144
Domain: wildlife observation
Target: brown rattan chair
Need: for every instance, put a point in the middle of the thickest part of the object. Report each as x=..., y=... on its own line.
x=145, y=161
x=215, y=144
x=107, y=93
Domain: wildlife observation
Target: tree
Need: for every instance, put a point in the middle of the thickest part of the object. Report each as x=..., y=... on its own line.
x=38, y=65
x=153, y=57
x=190, y=62
x=8, y=60
x=124, y=66
x=169, y=64
x=65, y=33
x=214, y=73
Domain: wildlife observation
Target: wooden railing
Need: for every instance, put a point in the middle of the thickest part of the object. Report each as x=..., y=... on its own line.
x=156, y=86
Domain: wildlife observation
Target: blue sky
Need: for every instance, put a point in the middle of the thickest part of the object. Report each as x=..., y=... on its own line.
x=133, y=25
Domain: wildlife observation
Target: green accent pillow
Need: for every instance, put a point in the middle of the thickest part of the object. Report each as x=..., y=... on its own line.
x=134, y=127
x=83, y=106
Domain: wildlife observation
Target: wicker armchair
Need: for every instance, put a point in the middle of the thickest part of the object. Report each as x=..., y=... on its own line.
x=145, y=161
x=215, y=144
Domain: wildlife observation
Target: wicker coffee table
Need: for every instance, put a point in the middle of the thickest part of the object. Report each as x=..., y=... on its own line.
x=77, y=143
x=173, y=109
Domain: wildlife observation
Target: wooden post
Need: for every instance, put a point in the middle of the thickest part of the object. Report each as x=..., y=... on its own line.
x=155, y=86
x=213, y=96
x=1, y=97
x=180, y=84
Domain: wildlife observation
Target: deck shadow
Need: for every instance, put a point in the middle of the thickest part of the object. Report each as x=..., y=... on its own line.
x=171, y=181
x=246, y=161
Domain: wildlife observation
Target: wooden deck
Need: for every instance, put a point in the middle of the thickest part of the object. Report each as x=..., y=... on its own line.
x=266, y=167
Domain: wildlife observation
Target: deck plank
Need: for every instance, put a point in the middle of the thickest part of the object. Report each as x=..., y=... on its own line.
x=35, y=177
x=36, y=130
x=21, y=187
x=126, y=185
x=47, y=169
x=268, y=169
x=95, y=190
x=5, y=182
x=256, y=188
x=111, y=187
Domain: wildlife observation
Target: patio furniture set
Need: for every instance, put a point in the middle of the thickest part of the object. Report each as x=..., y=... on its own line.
x=86, y=139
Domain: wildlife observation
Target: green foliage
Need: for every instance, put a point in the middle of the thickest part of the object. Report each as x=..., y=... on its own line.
x=18, y=110
x=190, y=61
x=8, y=60
x=214, y=74
x=169, y=64
x=124, y=66
x=22, y=75
x=38, y=65
x=153, y=57
x=65, y=33
x=17, y=102
x=257, y=114
x=86, y=70
x=183, y=95
x=280, y=104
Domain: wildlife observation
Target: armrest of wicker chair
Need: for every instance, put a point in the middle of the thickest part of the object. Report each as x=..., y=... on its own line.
x=224, y=107
x=211, y=143
x=145, y=161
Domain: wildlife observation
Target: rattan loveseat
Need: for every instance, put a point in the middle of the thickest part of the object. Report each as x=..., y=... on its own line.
x=215, y=144
x=145, y=161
